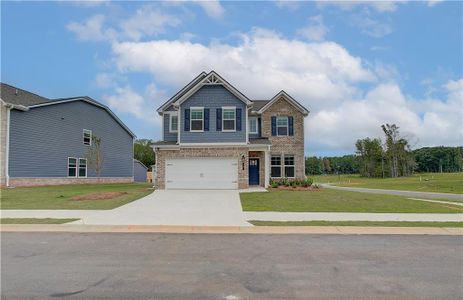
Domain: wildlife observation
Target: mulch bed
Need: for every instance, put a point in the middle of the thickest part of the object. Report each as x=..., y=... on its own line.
x=99, y=196
x=297, y=188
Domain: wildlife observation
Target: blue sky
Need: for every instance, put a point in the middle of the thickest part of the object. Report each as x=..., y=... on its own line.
x=355, y=65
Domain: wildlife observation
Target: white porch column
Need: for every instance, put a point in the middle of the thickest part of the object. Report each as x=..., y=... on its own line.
x=267, y=168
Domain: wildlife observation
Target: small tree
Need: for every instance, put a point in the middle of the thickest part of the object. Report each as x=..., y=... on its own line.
x=95, y=157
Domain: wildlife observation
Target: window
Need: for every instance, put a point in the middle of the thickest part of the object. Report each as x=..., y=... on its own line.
x=82, y=167
x=282, y=125
x=197, y=119
x=289, y=166
x=72, y=167
x=253, y=126
x=87, y=137
x=173, y=123
x=228, y=119
x=276, y=166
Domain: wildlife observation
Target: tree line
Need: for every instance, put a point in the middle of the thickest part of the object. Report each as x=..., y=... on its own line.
x=391, y=158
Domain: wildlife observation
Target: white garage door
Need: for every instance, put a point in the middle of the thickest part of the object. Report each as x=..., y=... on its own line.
x=202, y=173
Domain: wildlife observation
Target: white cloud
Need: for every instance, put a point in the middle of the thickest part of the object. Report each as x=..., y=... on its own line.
x=126, y=100
x=147, y=21
x=379, y=6
x=91, y=29
x=212, y=8
x=88, y=3
x=316, y=30
x=434, y=2
x=371, y=26
x=291, y=5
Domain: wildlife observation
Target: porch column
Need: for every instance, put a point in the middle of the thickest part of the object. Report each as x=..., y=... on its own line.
x=267, y=168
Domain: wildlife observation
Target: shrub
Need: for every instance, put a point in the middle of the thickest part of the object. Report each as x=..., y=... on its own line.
x=316, y=186
x=307, y=182
x=286, y=182
x=274, y=183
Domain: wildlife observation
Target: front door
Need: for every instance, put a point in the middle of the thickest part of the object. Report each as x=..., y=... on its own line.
x=253, y=171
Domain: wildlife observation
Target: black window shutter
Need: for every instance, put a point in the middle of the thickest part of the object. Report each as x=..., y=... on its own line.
x=219, y=119
x=238, y=119
x=206, y=119
x=290, y=126
x=274, y=125
x=187, y=119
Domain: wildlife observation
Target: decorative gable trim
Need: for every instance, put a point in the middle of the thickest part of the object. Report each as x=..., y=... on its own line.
x=212, y=79
x=287, y=97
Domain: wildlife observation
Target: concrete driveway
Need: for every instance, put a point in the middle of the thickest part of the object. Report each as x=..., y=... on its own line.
x=176, y=207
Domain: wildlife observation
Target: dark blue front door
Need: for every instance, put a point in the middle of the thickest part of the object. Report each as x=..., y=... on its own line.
x=253, y=171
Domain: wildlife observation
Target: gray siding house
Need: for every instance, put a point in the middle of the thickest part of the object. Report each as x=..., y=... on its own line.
x=47, y=142
x=139, y=171
x=214, y=137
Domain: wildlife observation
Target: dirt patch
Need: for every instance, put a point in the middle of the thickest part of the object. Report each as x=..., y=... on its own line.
x=99, y=196
x=297, y=188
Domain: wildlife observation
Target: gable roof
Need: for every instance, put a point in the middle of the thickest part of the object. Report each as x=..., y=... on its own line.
x=24, y=100
x=290, y=99
x=17, y=96
x=258, y=104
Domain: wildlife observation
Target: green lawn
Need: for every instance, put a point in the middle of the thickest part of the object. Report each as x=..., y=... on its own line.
x=35, y=221
x=59, y=197
x=358, y=223
x=430, y=182
x=327, y=200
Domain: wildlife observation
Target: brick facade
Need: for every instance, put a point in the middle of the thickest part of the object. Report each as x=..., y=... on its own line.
x=231, y=152
x=282, y=145
x=40, y=181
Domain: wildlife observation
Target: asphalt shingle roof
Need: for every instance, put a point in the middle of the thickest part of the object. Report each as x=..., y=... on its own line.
x=17, y=96
x=258, y=104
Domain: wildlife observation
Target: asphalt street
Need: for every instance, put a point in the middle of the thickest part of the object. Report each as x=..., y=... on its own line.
x=240, y=266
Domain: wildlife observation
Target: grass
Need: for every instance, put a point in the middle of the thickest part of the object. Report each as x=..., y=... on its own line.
x=60, y=197
x=327, y=200
x=358, y=223
x=425, y=182
x=35, y=221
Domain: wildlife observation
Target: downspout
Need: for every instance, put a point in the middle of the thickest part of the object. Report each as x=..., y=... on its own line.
x=7, y=150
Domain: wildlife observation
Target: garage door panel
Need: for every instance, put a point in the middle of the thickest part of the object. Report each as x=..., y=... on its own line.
x=202, y=173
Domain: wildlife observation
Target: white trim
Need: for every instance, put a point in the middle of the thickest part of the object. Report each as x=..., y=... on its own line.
x=7, y=150
x=223, y=119
x=67, y=170
x=173, y=114
x=290, y=99
x=191, y=119
x=287, y=125
x=257, y=125
x=78, y=169
x=83, y=136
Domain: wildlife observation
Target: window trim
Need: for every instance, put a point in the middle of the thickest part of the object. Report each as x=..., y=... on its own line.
x=275, y=166
x=78, y=169
x=83, y=136
x=293, y=165
x=191, y=119
x=287, y=126
x=170, y=122
x=223, y=118
x=257, y=125
x=70, y=157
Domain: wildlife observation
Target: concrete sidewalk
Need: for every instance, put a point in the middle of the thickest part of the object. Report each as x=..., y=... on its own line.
x=397, y=192
x=334, y=216
x=347, y=230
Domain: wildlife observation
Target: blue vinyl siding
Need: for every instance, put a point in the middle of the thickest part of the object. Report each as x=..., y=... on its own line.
x=168, y=136
x=139, y=172
x=213, y=97
x=42, y=139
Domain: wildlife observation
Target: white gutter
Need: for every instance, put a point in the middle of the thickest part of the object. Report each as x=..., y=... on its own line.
x=7, y=150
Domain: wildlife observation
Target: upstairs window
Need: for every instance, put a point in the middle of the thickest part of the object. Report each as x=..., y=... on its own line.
x=72, y=167
x=289, y=166
x=276, y=166
x=87, y=137
x=82, y=167
x=282, y=125
x=229, y=119
x=253, y=126
x=197, y=119
x=173, y=123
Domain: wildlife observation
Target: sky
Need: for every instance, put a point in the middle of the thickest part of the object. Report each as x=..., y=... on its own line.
x=355, y=65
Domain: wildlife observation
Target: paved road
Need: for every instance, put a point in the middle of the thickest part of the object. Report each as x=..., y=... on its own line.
x=178, y=266
x=399, y=193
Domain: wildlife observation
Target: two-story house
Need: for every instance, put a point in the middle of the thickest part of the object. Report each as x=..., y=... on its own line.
x=49, y=141
x=214, y=137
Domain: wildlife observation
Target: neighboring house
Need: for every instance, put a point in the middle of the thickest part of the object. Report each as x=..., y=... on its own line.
x=214, y=137
x=139, y=171
x=46, y=142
